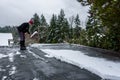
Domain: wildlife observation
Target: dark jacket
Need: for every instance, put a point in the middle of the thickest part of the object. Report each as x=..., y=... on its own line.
x=24, y=28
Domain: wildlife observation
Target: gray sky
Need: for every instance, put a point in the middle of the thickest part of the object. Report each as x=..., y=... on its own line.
x=15, y=12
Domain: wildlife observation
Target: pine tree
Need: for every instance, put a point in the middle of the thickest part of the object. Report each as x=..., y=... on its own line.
x=63, y=26
x=71, y=22
x=53, y=30
x=43, y=21
x=77, y=28
x=36, y=23
x=108, y=12
x=43, y=29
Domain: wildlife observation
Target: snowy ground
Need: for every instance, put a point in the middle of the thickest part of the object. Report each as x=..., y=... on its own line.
x=106, y=69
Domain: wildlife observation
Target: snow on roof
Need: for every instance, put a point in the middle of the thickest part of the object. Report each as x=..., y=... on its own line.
x=4, y=37
x=106, y=69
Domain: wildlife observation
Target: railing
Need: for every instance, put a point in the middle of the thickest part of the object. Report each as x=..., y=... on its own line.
x=10, y=42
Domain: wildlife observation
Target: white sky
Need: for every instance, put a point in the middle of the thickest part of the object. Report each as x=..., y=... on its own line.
x=14, y=12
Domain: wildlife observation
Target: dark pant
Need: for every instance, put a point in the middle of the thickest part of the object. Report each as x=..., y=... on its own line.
x=22, y=36
x=22, y=40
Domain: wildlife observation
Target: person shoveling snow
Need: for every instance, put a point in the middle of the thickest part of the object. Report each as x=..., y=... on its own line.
x=22, y=29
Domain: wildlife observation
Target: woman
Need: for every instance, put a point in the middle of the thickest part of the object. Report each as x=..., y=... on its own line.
x=22, y=29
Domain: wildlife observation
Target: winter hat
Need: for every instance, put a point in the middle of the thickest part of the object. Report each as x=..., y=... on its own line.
x=31, y=21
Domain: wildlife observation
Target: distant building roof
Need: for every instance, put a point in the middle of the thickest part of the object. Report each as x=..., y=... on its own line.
x=4, y=37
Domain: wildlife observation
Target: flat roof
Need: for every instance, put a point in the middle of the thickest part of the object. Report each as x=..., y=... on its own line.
x=4, y=37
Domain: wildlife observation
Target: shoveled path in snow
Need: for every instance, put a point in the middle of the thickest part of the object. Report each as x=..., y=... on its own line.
x=32, y=64
x=95, y=60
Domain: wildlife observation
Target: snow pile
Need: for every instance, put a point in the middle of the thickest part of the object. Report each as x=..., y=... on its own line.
x=4, y=37
x=39, y=45
x=2, y=56
x=10, y=55
x=104, y=68
x=12, y=70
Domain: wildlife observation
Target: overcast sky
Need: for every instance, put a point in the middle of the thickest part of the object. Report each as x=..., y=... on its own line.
x=15, y=12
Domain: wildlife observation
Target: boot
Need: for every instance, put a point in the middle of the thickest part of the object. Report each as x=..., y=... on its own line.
x=22, y=48
x=22, y=45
